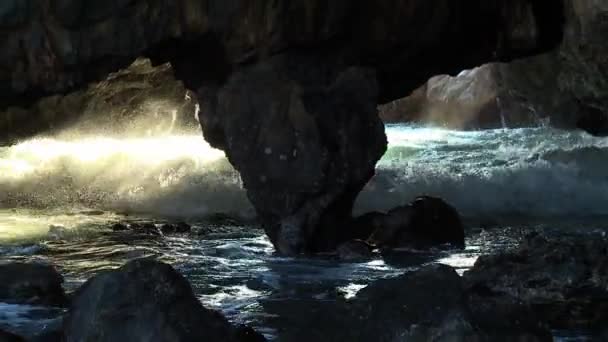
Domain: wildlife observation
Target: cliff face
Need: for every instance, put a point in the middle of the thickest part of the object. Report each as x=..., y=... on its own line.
x=56, y=46
x=567, y=87
x=288, y=89
x=136, y=101
x=584, y=61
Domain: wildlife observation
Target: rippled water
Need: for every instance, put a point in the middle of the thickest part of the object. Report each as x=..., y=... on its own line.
x=58, y=199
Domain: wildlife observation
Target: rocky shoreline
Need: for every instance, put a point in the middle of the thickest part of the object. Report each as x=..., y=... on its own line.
x=545, y=284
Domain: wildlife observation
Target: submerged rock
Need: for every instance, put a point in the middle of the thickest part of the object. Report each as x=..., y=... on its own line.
x=35, y=284
x=563, y=282
x=426, y=222
x=145, y=300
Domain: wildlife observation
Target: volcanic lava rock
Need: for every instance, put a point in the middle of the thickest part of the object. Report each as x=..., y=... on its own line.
x=30, y=283
x=426, y=222
x=563, y=281
x=145, y=300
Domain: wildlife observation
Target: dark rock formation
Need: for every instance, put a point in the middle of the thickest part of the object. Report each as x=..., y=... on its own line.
x=140, y=100
x=566, y=86
x=426, y=222
x=564, y=282
x=288, y=89
x=145, y=300
x=493, y=95
x=300, y=138
x=426, y=305
x=34, y=284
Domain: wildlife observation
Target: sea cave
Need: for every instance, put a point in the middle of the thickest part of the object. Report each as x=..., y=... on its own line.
x=304, y=170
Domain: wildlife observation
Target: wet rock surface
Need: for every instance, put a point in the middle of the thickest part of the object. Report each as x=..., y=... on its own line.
x=145, y=300
x=305, y=141
x=423, y=223
x=429, y=304
x=30, y=283
x=563, y=282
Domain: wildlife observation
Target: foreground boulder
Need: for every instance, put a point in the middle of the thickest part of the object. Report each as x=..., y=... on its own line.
x=145, y=300
x=426, y=305
x=35, y=284
x=564, y=281
x=426, y=222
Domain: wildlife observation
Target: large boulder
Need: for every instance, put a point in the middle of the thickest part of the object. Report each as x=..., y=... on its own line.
x=584, y=56
x=145, y=300
x=305, y=140
x=564, y=281
x=31, y=283
x=425, y=222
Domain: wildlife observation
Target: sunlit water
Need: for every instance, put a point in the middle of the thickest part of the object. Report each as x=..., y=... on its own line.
x=58, y=199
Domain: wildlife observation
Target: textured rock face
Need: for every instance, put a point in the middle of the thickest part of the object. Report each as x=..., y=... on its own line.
x=288, y=88
x=584, y=55
x=138, y=100
x=145, y=300
x=563, y=281
x=567, y=86
x=305, y=140
x=495, y=95
x=55, y=46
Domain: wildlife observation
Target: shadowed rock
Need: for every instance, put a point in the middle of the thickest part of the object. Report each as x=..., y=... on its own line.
x=145, y=300
x=305, y=141
x=35, y=284
x=563, y=282
x=426, y=222
x=426, y=305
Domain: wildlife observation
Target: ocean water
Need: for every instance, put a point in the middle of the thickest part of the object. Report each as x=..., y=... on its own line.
x=59, y=197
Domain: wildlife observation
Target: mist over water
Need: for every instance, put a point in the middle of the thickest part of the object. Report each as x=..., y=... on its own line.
x=176, y=176
x=494, y=174
x=529, y=173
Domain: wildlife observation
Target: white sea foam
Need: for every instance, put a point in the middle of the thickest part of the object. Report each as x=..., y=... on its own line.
x=530, y=172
